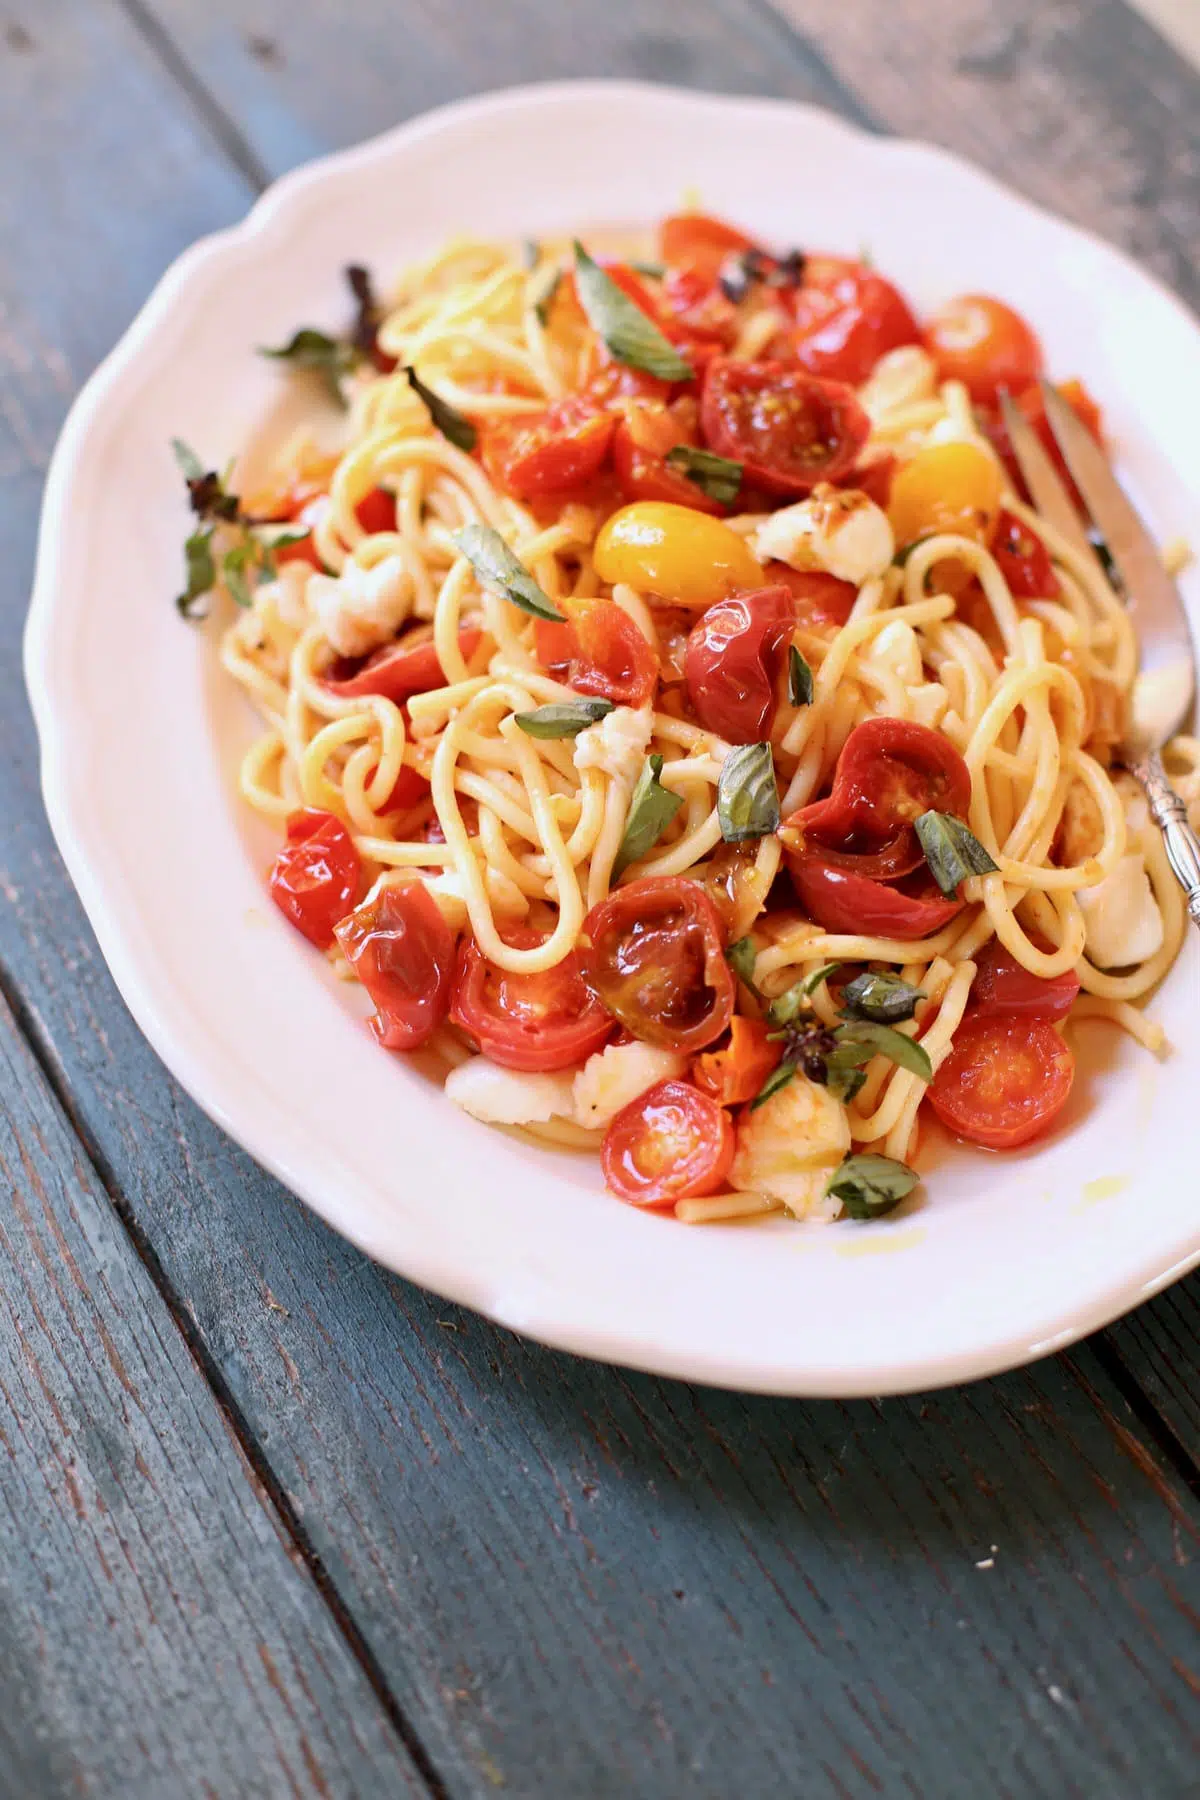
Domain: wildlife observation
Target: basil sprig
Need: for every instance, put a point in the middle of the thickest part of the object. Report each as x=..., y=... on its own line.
x=789, y=1005
x=651, y=809
x=869, y=1186
x=747, y=795
x=501, y=572
x=952, y=851
x=858, y=1040
x=880, y=996
x=248, y=557
x=449, y=421
x=716, y=476
x=333, y=358
x=800, y=679
x=632, y=337
x=562, y=720
x=836, y=1059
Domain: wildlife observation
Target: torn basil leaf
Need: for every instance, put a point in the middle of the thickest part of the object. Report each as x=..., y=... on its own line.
x=881, y=997
x=901, y=557
x=741, y=958
x=869, y=1186
x=189, y=463
x=651, y=809
x=858, y=1040
x=200, y=573
x=844, y=1082
x=315, y=352
x=364, y=333
x=779, y=1077
x=449, y=421
x=952, y=851
x=236, y=565
x=815, y=977
x=800, y=679
x=545, y=296
x=564, y=720
x=632, y=337
x=714, y=475
x=747, y=796
x=501, y=572
x=786, y=1008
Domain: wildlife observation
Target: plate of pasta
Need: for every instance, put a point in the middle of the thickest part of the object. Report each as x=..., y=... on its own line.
x=623, y=815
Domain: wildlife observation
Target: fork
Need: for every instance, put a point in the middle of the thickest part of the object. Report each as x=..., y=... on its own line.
x=1166, y=678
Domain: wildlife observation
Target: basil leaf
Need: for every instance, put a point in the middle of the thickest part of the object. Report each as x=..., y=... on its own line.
x=714, y=475
x=501, y=572
x=881, y=997
x=364, y=334
x=448, y=420
x=779, y=1077
x=632, y=337
x=800, y=679
x=813, y=980
x=741, y=958
x=651, y=809
x=315, y=352
x=869, y=1186
x=565, y=720
x=858, y=1040
x=189, y=463
x=787, y=1007
x=234, y=567
x=655, y=270
x=546, y=293
x=952, y=851
x=200, y=573
x=844, y=1083
x=747, y=797
x=901, y=557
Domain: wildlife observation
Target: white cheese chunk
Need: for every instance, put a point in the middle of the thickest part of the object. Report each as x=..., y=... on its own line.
x=362, y=608
x=616, y=1075
x=839, y=530
x=789, y=1147
x=505, y=1096
x=1123, y=922
x=617, y=743
x=898, y=648
x=900, y=378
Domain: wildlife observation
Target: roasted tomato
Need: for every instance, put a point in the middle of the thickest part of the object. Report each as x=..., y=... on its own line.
x=984, y=344
x=844, y=318
x=669, y=1144
x=677, y=552
x=601, y=650
x=1005, y=1081
x=654, y=954
x=788, y=428
x=733, y=660
x=841, y=900
x=733, y=1073
x=315, y=876
x=397, y=671
x=1002, y=985
x=946, y=487
x=376, y=511
x=700, y=243
x=401, y=949
x=641, y=444
x=819, y=599
x=695, y=308
x=544, y=1021
x=551, y=452
x=1023, y=560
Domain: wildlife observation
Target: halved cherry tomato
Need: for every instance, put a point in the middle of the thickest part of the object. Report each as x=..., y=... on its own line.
x=889, y=772
x=601, y=649
x=734, y=1074
x=669, y=1144
x=733, y=657
x=376, y=511
x=396, y=671
x=536, y=1022
x=1005, y=1081
x=820, y=599
x=1002, y=985
x=788, y=428
x=315, y=876
x=844, y=901
x=1023, y=559
x=984, y=344
x=845, y=317
x=641, y=443
x=698, y=241
x=694, y=306
x=654, y=953
x=549, y=452
x=402, y=950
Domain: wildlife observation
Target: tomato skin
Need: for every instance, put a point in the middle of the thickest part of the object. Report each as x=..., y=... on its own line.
x=671, y=1143
x=984, y=344
x=1005, y=1081
x=641, y=443
x=376, y=511
x=1023, y=560
x=733, y=655
x=654, y=954
x=527, y=1022
x=699, y=242
x=819, y=599
x=788, y=428
x=696, y=308
x=1001, y=985
x=840, y=900
x=550, y=452
x=601, y=650
x=402, y=951
x=845, y=317
x=397, y=671
x=734, y=1074
x=315, y=875
x=889, y=772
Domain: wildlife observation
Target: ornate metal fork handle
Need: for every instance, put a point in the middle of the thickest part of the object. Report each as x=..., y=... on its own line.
x=1170, y=815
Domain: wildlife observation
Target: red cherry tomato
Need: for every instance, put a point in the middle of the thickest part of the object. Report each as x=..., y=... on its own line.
x=376, y=511
x=549, y=452
x=1002, y=985
x=695, y=306
x=315, y=876
x=789, y=428
x=819, y=599
x=841, y=900
x=845, y=317
x=601, y=650
x=536, y=1022
x=984, y=344
x=1023, y=559
x=641, y=443
x=669, y=1144
x=889, y=772
x=1005, y=1081
x=701, y=243
x=409, y=787
x=734, y=1073
x=402, y=950
x=654, y=953
x=733, y=657
x=399, y=670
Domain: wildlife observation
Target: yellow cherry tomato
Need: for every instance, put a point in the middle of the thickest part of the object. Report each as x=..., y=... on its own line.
x=946, y=487
x=686, y=557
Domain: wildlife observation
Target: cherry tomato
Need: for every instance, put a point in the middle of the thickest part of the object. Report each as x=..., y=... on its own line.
x=376, y=511
x=843, y=901
x=946, y=487
x=694, y=306
x=549, y=452
x=654, y=953
x=889, y=772
x=788, y=428
x=1005, y=1081
x=641, y=443
x=611, y=383
x=845, y=317
x=677, y=552
x=820, y=599
x=733, y=658
x=402, y=950
x=1002, y=985
x=701, y=243
x=984, y=344
x=602, y=649
x=669, y=1144
x=409, y=787
x=734, y=1074
x=315, y=876
x=396, y=671
x=301, y=550
x=1023, y=560
x=535, y=1022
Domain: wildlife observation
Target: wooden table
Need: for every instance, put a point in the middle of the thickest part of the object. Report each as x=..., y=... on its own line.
x=273, y=1522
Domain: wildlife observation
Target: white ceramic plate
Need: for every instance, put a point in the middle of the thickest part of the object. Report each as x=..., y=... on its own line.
x=1005, y=1259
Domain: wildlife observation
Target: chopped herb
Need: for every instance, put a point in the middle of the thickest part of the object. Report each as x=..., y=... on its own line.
x=844, y=1080
x=448, y=420
x=952, y=851
x=869, y=1186
x=200, y=573
x=714, y=475
x=800, y=679
x=741, y=958
x=246, y=557
x=501, y=572
x=565, y=720
x=902, y=555
x=651, y=809
x=546, y=292
x=884, y=998
x=786, y=1008
x=858, y=1040
x=632, y=337
x=234, y=567
x=315, y=352
x=207, y=493
x=779, y=1077
x=364, y=333
x=747, y=794
x=815, y=977
x=740, y=272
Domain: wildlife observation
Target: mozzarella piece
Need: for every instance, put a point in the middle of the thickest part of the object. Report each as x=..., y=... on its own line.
x=900, y=378
x=617, y=743
x=505, y=1097
x=1124, y=924
x=362, y=608
x=789, y=1147
x=898, y=648
x=836, y=529
x=1160, y=699
x=616, y=1075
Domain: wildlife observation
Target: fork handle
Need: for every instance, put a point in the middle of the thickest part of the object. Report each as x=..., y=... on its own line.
x=1170, y=815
